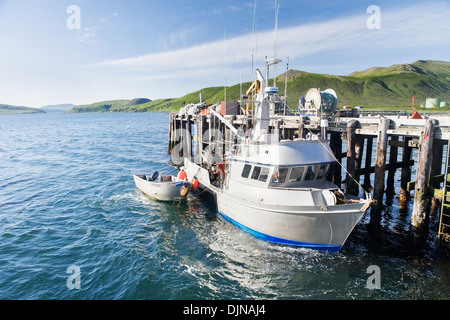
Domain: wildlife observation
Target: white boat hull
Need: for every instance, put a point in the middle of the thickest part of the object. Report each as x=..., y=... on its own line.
x=311, y=227
x=159, y=190
x=294, y=217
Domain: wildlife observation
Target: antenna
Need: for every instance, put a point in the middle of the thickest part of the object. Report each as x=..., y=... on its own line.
x=224, y=68
x=240, y=91
x=254, y=42
x=285, y=85
x=277, y=8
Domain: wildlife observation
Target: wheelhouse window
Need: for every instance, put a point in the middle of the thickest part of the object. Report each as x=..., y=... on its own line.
x=311, y=173
x=296, y=174
x=256, y=172
x=264, y=174
x=322, y=171
x=280, y=175
x=246, y=171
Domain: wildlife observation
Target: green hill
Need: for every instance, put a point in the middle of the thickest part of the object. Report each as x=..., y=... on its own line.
x=393, y=86
x=57, y=108
x=8, y=109
x=170, y=104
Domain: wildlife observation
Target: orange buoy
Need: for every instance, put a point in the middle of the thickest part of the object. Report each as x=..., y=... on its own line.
x=182, y=175
x=195, y=183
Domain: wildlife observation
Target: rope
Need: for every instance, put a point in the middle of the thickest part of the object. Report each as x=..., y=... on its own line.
x=345, y=169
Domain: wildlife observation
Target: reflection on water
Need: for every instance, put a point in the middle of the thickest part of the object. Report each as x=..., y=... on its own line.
x=67, y=197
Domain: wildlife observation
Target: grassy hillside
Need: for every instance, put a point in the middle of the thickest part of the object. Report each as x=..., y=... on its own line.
x=104, y=106
x=376, y=87
x=57, y=108
x=8, y=109
x=397, y=84
x=141, y=105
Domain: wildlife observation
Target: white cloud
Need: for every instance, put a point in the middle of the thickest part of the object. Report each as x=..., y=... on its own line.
x=176, y=72
x=401, y=28
x=88, y=35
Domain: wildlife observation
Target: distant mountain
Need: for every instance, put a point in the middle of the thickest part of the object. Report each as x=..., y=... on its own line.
x=58, y=107
x=397, y=84
x=439, y=69
x=138, y=101
x=392, y=86
x=8, y=109
x=112, y=106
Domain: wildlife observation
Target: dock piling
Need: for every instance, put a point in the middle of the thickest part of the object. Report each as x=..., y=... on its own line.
x=380, y=163
x=419, y=215
x=351, y=185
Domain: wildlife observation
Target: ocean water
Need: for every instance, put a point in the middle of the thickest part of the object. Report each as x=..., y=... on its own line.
x=74, y=226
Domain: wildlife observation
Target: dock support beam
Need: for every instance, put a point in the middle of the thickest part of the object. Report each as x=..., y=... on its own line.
x=419, y=216
x=393, y=155
x=404, y=194
x=369, y=144
x=336, y=147
x=380, y=170
x=351, y=185
x=380, y=162
x=171, y=136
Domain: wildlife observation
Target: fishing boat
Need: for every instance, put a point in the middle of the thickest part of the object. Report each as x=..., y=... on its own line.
x=274, y=188
x=162, y=187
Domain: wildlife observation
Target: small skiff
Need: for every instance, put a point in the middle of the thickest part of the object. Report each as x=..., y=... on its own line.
x=161, y=187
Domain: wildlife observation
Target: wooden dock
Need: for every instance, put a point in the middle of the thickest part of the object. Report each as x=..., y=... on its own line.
x=373, y=148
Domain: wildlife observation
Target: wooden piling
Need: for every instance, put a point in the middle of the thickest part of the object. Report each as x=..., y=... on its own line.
x=189, y=136
x=351, y=185
x=380, y=169
x=301, y=129
x=419, y=215
x=393, y=154
x=178, y=139
x=368, y=163
x=380, y=162
x=404, y=194
x=169, y=148
x=336, y=147
x=359, y=151
x=436, y=170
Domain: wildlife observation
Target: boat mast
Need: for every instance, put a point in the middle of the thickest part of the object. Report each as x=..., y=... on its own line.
x=254, y=56
x=263, y=105
x=277, y=8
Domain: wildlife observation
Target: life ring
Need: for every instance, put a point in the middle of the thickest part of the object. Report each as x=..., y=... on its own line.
x=220, y=169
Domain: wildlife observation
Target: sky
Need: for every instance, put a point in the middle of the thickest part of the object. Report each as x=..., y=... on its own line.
x=80, y=51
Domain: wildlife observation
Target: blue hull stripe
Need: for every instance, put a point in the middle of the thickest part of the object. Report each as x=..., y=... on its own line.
x=332, y=248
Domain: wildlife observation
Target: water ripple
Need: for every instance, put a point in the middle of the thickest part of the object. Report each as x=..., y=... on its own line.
x=67, y=197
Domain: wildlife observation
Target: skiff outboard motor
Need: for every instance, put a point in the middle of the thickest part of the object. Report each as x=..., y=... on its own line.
x=154, y=176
